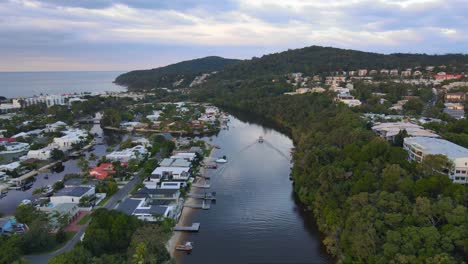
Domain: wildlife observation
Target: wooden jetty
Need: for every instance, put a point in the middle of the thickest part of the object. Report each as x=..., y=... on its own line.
x=193, y=228
x=203, y=186
x=204, y=196
x=204, y=206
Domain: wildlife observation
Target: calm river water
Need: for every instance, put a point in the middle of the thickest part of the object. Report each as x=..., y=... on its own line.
x=256, y=218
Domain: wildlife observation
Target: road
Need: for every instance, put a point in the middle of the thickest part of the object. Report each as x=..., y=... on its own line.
x=111, y=204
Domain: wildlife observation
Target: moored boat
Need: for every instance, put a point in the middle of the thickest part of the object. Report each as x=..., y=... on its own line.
x=185, y=247
x=260, y=139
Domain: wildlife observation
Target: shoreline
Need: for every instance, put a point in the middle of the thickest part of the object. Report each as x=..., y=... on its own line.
x=178, y=236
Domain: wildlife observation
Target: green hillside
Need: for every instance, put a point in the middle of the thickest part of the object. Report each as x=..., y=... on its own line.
x=168, y=75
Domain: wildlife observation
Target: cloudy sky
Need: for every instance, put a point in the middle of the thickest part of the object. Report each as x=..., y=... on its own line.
x=41, y=35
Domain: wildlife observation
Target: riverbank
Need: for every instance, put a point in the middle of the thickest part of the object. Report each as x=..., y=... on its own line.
x=178, y=237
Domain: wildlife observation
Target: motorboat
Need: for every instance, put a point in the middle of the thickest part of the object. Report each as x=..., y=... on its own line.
x=221, y=160
x=188, y=246
x=48, y=190
x=260, y=139
x=26, y=202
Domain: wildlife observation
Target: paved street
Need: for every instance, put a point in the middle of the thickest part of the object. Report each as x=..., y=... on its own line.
x=111, y=204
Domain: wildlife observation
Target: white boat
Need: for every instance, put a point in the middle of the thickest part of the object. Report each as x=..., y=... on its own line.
x=221, y=160
x=260, y=139
x=26, y=202
x=48, y=190
x=188, y=246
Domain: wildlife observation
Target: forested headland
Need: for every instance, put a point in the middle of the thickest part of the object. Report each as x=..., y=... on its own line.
x=372, y=205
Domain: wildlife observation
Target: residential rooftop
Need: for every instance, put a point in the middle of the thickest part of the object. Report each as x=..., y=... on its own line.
x=433, y=146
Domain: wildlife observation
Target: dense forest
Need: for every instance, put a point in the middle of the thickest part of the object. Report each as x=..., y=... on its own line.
x=372, y=205
x=168, y=75
x=310, y=61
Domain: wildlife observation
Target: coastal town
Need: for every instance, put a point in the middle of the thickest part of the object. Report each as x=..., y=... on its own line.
x=155, y=168
x=150, y=159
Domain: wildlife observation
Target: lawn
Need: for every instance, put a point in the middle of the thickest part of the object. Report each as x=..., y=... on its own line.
x=84, y=220
x=104, y=201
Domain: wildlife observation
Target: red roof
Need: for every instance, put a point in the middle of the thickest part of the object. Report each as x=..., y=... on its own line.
x=102, y=171
x=448, y=76
x=7, y=139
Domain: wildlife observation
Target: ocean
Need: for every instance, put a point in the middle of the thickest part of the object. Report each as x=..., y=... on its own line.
x=25, y=84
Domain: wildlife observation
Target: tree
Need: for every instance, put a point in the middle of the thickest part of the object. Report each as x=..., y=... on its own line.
x=78, y=255
x=111, y=117
x=57, y=154
x=398, y=140
x=432, y=164
x=58, y=185
x=414, y=106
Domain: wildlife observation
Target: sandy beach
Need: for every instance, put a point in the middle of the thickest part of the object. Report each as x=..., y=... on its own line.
x=179, y=237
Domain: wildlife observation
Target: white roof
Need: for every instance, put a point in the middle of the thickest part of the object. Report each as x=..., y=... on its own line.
x=173, y=170
x=10, y=166
x=433, y=146
x=393, y=128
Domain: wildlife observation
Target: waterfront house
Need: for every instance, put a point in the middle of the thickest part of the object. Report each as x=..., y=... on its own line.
x=126, y=155
x=171, y=173
x=147, y=212
x=71, y=137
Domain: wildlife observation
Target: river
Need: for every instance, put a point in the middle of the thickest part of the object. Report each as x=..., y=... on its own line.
x=256, y=218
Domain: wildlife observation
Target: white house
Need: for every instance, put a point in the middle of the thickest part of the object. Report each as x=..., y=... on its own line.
x=71, y=194
x=147, y=212
x=174, y=173
x=55, y=126
x=126, y=155
x=420, y=147
x=40, y=154
x=71, y=137
x=184, y=155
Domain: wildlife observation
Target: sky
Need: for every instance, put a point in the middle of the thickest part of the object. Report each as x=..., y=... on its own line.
x=69, y=35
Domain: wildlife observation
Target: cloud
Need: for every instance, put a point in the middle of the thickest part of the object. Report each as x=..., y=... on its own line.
x=47, y=27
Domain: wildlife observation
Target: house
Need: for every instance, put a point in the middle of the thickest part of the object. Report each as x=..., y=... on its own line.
x=81, y=182
x=189, y=156
x=362, y=72
x=3, y=176
x=171, y=173
x=448, y=76
x=384, y=71
x=373, y=72
x=148, y=212
x=71, y=210
x=55, y=127
x=10, y=167
x=6, y=225
x=10, y=107
x=72, y=194
x=390, y=130
x=406, y=73
x=417, y=73
x=104, y=170
x=171, y=185
x=170, y=162
x=394, y=72
x=71, y=137
x=456, y=97
x=420, y=147
x=126, y=155
x=14, y=147
x=159, y=194
x=40, y=154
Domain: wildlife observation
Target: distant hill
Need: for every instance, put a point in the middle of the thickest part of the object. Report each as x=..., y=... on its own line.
x=181, y=74
x=317, y=60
